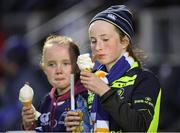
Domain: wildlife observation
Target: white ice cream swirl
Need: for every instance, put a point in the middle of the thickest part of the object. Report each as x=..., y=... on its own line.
x=84, y=62
x=26, y=93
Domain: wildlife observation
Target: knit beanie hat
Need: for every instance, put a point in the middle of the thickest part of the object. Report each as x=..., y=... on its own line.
x=120, y=16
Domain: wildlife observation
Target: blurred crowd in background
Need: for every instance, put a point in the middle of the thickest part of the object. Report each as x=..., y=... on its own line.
x=24, y=25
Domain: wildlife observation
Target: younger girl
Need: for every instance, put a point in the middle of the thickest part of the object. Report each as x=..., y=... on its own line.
x=58, y=63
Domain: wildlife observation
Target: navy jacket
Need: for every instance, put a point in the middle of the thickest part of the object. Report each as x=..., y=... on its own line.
x=54, y=108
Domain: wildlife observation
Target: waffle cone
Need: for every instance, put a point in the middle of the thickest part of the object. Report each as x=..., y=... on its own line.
x=80, y=127
x=27, y=104
x=88, y=69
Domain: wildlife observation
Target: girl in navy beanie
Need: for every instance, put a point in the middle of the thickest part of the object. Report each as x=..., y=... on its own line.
x=130, y=99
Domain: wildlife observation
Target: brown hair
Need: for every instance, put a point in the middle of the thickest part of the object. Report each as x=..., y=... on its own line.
x=73, y=51
x=136, y=53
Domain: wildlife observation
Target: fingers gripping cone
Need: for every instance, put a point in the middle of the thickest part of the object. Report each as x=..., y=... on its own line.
x=26, y=94
x=85, y=63
x=80, y=127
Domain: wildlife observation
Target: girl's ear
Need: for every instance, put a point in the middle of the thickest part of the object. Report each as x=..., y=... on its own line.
x=125, y=41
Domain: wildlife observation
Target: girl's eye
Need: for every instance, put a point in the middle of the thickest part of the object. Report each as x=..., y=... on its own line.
x=67, y=63
x=105, y=40
x=51, y=64
x=93, y=41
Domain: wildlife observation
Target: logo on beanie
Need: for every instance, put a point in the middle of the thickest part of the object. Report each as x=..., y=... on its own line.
x=113, y=17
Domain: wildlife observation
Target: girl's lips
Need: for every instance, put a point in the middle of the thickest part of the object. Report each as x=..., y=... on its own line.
x=101, y=55
x=59, y=79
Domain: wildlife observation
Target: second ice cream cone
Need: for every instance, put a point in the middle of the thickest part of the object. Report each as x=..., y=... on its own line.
x=80, y=127
x=85, y=63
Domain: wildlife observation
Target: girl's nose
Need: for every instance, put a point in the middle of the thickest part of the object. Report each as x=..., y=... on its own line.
x=59, y=69
x=98, y=45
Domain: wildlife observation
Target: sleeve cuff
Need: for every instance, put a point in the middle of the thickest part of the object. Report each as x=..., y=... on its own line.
x=106, y=95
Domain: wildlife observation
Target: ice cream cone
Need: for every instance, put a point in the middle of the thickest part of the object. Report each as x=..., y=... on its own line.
x=26, y=95
x=80, y=127
x=85, y=63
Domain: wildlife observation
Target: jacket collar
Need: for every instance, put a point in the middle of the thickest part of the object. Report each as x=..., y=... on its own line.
x=79, y=88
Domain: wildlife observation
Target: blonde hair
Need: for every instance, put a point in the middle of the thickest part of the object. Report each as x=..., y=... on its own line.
x=66, y=41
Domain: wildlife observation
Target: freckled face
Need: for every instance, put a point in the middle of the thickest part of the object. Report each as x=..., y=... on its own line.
x=57, y=66
x=105, y=42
